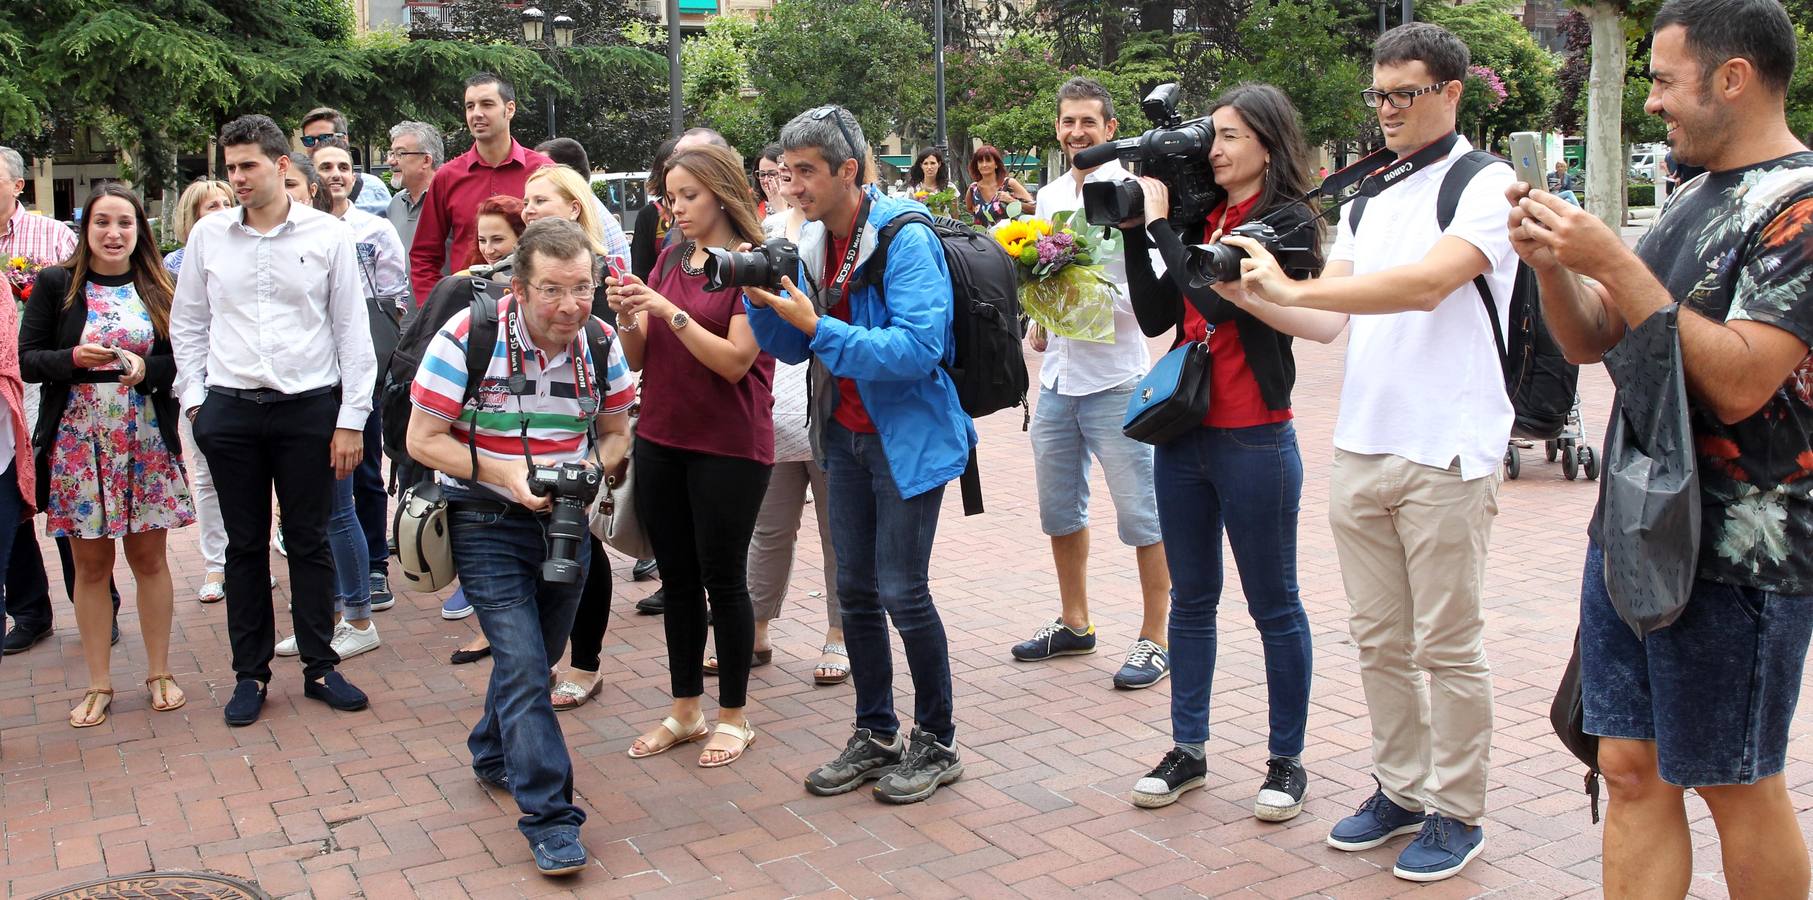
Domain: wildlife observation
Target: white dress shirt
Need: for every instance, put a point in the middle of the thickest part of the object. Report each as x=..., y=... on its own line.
x=1079, y=368
x=383, y=263
x=246, y=317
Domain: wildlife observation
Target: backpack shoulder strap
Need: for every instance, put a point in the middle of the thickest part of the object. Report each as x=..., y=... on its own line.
x=878, y=261
x=670, y=259
x=1355, y=210
x=481, y=336
x=1447, y=202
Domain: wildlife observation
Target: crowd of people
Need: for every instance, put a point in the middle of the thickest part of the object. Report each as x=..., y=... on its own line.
x=191, y=387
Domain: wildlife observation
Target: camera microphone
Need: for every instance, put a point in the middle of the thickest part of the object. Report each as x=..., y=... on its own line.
x=1102, y=154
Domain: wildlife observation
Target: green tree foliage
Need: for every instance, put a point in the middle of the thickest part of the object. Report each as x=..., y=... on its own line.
x=718, y=86
x=872, y=60
x=1495, y=39
x=1296, y=45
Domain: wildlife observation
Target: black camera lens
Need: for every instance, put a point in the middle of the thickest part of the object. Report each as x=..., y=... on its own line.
x=1113, y=202
x=728, y=268
x=1216, y=262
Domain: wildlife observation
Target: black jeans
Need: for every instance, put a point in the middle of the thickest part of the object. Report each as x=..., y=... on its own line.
x=28, y=585
x=251, y=446
x=699, y=511
x=594, y=613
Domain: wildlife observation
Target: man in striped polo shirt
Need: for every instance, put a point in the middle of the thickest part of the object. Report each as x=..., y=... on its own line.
x=542, y=394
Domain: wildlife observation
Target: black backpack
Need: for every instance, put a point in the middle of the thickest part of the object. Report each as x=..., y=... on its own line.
x=988, y=366
x=1538, y=378
x=480, y=296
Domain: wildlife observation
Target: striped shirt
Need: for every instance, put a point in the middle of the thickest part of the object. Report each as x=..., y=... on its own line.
x=556, y=424
x=41, y=239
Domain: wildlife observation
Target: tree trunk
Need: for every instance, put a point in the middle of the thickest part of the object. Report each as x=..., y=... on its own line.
x=1605, y=161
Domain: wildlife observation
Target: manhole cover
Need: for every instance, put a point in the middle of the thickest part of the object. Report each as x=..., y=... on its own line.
x=161, y=886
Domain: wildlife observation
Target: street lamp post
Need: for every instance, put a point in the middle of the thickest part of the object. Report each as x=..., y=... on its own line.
x=938, y=67
x=676, y=105
x=533, y=29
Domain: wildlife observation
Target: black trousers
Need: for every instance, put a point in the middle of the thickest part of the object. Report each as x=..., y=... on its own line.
x=251, y=447
x=594, y=612
x=700, y=511
x=28, y=585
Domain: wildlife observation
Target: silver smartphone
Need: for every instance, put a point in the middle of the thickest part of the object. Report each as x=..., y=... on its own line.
x=1526, y=159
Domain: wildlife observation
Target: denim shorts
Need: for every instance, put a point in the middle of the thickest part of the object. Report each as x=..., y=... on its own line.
x=1066, y=430
x=1715, y=691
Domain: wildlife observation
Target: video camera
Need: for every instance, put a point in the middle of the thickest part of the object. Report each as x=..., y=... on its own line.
x=1295, y=251
x=573, y=486
x=1174, y=151
x=759, y=267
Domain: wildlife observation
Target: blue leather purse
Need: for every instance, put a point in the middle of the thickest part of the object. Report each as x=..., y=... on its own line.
x=1173, y=398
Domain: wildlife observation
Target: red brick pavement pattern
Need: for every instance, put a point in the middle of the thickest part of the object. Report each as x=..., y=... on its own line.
x=382, y=803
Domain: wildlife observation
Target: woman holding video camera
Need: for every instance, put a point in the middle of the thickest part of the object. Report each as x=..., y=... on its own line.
x=1241, y=470
x=704, y=444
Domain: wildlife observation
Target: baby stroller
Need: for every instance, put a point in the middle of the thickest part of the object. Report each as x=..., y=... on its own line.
x=1547, y=405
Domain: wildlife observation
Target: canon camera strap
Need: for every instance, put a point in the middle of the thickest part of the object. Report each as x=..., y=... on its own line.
x=847, y=269
x=1379, y=170
x=519, y=380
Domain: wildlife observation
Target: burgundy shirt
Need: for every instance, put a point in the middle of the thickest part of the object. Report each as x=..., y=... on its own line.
x=451, y=208
x=687, y=406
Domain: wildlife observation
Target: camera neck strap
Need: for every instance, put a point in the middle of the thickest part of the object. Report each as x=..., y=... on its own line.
x=1380, y=170
x=840, y=284
x=586, y=388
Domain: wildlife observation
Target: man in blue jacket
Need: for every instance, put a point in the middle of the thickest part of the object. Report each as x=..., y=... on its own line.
x=888, y=429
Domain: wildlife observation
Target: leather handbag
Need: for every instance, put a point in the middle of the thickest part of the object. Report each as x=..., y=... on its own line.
x=614, y=519
x=1173, y=398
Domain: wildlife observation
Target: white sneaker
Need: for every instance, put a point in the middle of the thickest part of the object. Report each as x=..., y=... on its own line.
x=287, y=647
x=350, y=642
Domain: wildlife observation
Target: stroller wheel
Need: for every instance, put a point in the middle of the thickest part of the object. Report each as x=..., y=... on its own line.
x=1589, y=461
x=1513, y=463
x=1550, y=450
x=1570, y=462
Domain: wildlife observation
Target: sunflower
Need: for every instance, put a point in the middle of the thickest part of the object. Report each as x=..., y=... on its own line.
x=1015, y=236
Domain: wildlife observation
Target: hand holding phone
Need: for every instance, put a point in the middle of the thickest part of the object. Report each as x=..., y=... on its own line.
x=1527, y=161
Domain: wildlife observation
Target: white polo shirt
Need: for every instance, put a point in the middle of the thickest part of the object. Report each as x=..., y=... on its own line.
x=1079, y=368
x=1428, y=386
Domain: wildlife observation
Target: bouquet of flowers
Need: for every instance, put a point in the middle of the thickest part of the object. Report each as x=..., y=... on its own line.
x=1063, y=285
x=942, y=203
x=21, y=274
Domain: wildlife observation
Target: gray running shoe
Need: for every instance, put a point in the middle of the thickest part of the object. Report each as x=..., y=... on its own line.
x=864, y=759
x=927, y=766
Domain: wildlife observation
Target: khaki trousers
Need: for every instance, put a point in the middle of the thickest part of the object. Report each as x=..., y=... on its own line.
x=1412, y=545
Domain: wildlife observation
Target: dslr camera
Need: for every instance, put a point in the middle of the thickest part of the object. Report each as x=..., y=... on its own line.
x=759, y=267
x=1295, y=251
x=1174, y=151
x=572, y=486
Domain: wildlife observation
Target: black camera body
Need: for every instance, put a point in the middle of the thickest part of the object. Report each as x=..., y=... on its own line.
x=760, y=267
x=1174, y=151
x=1295, y=250
x=572, y=487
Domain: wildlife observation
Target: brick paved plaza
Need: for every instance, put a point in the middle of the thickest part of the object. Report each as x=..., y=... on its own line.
x=382, y=803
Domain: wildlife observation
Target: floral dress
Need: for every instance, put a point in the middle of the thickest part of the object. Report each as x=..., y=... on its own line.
x=110, y=472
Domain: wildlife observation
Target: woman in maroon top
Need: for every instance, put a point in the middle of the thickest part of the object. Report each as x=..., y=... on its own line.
x=1240, y=472
x=704, y=444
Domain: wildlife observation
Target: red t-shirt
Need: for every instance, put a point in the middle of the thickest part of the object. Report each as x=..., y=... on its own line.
x=850, y=412
x=1234, y=397
x=687, y=406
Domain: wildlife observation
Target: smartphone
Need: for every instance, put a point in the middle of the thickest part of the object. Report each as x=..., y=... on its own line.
x=1526, y=159
x=610, y=266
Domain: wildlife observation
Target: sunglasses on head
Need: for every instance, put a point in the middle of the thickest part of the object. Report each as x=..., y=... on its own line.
x=310, y=140
x=831, y=112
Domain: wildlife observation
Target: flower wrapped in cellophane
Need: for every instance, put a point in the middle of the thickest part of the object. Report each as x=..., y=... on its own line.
x=1063, y=284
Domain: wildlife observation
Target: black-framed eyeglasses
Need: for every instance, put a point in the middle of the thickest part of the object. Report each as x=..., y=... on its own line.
x=831, y=112
x=1398, y=99
x=767, y=174
x=310, y=140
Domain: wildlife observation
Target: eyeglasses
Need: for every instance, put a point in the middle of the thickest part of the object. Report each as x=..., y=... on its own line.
x=767, y=174
x=576, y=292
x=831, y=112
x=1398, y=99
x=398, y=154
x=310, y=140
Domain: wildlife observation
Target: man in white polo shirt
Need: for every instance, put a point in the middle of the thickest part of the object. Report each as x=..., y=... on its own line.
x=1423, y=426
x=1084, y=387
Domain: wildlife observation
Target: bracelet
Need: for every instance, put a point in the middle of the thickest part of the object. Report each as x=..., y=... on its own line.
x=628, y=324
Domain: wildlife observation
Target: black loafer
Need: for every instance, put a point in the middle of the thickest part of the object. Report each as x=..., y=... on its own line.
x=247, y=702
x=335, y=691
x=20, y=640
x=461, y=657
x=654, y=604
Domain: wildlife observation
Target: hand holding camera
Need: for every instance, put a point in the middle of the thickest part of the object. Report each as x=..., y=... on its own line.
x=568, y=489
x=791, y=304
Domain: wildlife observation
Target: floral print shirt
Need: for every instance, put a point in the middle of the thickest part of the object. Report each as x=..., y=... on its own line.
x=1738, y=246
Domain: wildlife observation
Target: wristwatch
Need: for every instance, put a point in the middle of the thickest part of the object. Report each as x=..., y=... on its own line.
x=680, y=320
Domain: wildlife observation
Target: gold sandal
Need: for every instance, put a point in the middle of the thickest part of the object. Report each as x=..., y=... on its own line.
x=155, y=683
x=743, y=733
x=681, y=735
x=88, y=707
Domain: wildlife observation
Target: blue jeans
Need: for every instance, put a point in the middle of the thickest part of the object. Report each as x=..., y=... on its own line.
x=884, y=554
x=1065, y=431
x=346, y=540
x=499, y=556
x=1251, y=480
x=368, y=493
x=1715, y=690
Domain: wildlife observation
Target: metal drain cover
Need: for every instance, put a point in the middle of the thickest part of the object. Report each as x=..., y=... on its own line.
x=160, y=886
